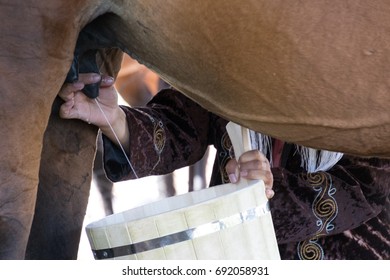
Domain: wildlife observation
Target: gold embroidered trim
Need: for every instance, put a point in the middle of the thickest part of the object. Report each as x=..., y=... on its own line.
x=225, y=155
x=159, y=136
x=325, y=209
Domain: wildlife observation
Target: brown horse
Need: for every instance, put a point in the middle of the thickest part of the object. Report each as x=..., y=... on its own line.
x=314, y=73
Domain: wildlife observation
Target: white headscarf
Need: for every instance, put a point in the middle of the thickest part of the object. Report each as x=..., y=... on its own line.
x=312, y=160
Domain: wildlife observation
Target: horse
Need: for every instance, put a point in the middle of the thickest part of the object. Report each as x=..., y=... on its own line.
x=307, y=72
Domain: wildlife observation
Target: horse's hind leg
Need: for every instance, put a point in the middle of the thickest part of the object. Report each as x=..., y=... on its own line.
x=19, y=180
x=64, y=183
x=21, y=130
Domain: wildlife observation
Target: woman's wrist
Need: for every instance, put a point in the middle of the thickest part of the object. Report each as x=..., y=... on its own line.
x=118, y=130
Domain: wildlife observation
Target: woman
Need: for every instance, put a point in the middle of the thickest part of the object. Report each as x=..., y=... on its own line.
x=327, y=205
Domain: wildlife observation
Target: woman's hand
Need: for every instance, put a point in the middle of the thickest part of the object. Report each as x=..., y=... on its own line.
x=78, y=106
x=252, y=165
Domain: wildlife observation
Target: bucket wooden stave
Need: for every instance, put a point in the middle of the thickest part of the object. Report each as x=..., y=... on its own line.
x=223, y=222
x=229, y=221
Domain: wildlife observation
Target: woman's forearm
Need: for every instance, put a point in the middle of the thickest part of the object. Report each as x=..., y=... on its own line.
x=118, y=129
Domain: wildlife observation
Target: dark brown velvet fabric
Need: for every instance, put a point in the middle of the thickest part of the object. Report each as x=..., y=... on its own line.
x=340, y=214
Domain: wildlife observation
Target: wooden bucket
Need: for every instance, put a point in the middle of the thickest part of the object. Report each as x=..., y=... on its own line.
x=228, y=221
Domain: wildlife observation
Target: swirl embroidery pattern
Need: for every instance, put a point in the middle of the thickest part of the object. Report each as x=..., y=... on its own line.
x=159, y=140
x=325, y=209
x=224, y=156
x=159, y=135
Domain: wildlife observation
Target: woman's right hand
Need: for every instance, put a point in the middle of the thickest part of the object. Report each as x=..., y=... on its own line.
x=78, y=106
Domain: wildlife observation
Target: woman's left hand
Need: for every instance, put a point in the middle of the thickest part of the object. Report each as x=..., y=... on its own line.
x=252, y=165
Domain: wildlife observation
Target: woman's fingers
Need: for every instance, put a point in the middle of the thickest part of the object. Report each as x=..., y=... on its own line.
x=65, y=109
x=252, y=165
x=107, y=81
x=269, y=193
x=232, y=169
x=93, y=78
x=67, y=90
x=89, y=78
x=255, y=168
x=252, y=155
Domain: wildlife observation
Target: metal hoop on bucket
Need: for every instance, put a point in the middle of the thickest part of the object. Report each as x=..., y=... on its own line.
x=228, y=221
